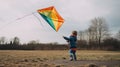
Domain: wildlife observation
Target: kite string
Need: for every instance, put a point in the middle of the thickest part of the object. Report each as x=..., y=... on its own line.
x=25, y=16
x=15, y=20
x=39, y=20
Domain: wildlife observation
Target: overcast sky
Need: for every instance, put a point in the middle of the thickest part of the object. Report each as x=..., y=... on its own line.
x=16, y=18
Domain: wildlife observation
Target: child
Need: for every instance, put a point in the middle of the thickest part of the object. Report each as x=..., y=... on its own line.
x=72, y=43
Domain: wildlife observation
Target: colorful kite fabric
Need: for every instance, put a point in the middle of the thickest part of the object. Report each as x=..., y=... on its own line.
x=52, y=17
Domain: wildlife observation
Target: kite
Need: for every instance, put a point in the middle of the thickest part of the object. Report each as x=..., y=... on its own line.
x=51, y=16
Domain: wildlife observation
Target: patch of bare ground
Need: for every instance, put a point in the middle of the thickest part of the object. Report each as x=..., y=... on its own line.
x=58, y=58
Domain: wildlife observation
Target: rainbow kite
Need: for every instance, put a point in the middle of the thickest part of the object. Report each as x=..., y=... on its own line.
x=52, y=17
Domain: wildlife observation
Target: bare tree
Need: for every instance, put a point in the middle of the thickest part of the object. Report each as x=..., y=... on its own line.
x=81, y=35
x=118, y=35
x=91, y=35
x=99, y=29
x=16, y=41
x=34, y=42
x=2, y=40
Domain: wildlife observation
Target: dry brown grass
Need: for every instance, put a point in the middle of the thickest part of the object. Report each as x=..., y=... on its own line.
x=38, y=58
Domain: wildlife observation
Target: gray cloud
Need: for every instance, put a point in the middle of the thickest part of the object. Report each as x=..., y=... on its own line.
x=77, y=15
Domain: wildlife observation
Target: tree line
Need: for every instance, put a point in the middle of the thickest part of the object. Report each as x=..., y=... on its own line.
x=96, y=37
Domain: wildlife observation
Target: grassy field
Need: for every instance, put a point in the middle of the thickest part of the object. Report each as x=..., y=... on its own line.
x=38, y=58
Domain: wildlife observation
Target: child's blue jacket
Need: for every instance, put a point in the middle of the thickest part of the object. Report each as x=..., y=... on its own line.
x=72, y=41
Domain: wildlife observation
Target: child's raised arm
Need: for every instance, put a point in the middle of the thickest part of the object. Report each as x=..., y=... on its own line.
x=66, y=38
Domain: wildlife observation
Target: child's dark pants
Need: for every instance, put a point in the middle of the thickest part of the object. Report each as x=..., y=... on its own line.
x=72, y=54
